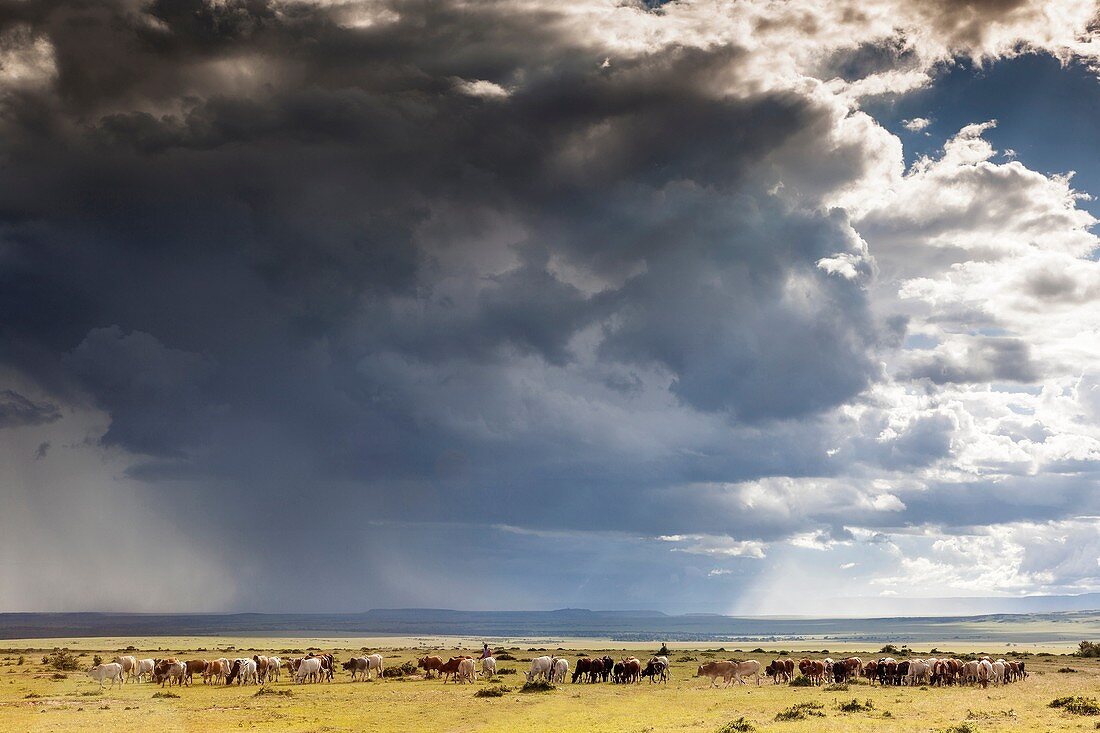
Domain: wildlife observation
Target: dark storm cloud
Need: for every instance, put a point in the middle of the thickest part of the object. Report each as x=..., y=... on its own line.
x=257, y=240
x=15, y=409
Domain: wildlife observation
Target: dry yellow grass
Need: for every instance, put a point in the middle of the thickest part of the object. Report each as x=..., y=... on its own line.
x=32, y=700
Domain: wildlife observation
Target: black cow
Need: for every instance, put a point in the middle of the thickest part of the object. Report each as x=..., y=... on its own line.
x=655, y=671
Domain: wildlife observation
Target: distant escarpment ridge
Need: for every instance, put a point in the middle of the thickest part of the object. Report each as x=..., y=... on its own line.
x=563, y=623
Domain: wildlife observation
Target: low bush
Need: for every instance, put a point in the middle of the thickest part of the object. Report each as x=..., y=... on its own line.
x=1067, y=670
x=962, y=728
x=59, y=676
x=506, y=670
x=505, y=657
x=737, y=726
x=163, y=695
x=264, y=691
x=801, y=711
x=1077, y=705
x=836, y=687
x=406, y=669
x=1088, y=649
x=537, y=686
x=855, y=706
x=62, y=660
x=493, y=691
x=802, y=681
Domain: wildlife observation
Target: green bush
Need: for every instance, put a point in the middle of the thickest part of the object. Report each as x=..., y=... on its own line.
x=1077, y=705
x=737, y=726
x=62, y=660
x=163, y=695
x=801, y=711
x=493, y=691
x=855, y=706
x=272, y=691
x=802, y=681
x=962, y=728
x=537, y=686
x=407, y=669
x=1088, y=649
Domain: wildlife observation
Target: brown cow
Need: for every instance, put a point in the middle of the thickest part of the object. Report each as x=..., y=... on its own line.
x=780, y=670
x=847, y=668
x=192, y=666
x=714, y=670
x=429, y=665
x=813, y=670
x=632, y=669
x=215, y=669
x=450, y=668
x=870, y=671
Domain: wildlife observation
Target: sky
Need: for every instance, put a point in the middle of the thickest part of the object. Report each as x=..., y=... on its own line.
x=328, y=305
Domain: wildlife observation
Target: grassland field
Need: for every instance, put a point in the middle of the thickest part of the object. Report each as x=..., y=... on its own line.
x=34, y=697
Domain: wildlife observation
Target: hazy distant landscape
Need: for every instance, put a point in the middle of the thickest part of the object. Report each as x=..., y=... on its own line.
x=1033, y=628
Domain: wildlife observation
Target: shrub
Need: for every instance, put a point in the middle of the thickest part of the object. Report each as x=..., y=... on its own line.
x=836, y=687
x=506, y=670
x=20, y=661
x=1067, y=670
x=737, y=726
x=133, y=648
x=505, y=657
x=537, y=686
x=1077, y=705
x=97, y=660
x=272, y=691
x=1088, y=649
x=888, y=649
x=685, y=658
x=31, y=696
x=59, y=676
x=406, y=669
x=801, y=711
x=62, y=660
x=855, y=706
x=493, y=691
x=757, y=650
x=962, y=728
x=163, y=694
x=801, y=681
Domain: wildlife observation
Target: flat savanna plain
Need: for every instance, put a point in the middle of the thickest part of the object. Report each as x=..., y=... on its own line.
x=34, y=698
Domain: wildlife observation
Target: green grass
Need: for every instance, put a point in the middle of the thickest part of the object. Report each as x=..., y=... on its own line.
x=31, y=700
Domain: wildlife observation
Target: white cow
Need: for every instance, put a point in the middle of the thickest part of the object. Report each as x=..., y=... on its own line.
x=248, y=672
x=145, y=667
x=309, y=668
x=129, y=666
x=375, y=663
x=748, y=668
x=488, y=666
x=985, y=672
x=999, y=668
x=111, y=671
x=273, y=666
x=540, y=667
x=561, y=668
x=919, y=672
x=466, y=669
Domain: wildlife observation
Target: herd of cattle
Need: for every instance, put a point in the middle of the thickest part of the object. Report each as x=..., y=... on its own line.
x=261, y=669
x=258, y=670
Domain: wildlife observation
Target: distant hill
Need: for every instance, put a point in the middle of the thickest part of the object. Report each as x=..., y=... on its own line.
x=571, y=622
